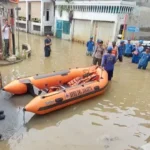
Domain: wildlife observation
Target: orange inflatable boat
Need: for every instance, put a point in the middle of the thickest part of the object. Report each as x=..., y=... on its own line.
x=60, y=89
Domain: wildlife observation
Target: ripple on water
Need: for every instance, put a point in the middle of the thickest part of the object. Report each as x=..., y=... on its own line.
x=82, y=126
x=101, y=116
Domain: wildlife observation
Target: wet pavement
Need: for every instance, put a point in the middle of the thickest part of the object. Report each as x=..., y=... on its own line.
x=6, y=63
x=117, y=120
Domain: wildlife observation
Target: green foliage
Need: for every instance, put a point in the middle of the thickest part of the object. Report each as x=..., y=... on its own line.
x=64, y=8
x=22, y=18
x=36, y=20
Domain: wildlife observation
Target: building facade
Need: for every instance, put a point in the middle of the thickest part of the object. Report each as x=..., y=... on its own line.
x=78, y=20
x=36, y=16
x=140, y=18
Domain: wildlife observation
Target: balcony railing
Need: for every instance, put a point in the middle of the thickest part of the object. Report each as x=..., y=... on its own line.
x=113, y=7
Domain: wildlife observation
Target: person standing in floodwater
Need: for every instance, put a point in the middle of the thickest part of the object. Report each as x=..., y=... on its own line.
x=121, y=49
x=6, y=29
x=108, y=62
x=47, y=48
x=90, y=47
x=98, y=53
x=145, y=58
x=137, y=53
x=128, y=49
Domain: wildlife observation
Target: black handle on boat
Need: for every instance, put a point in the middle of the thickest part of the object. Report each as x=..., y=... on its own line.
x=101, y=72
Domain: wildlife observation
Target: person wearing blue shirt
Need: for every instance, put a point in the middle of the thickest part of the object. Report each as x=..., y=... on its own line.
x=90, y=46
x=128, y=49
x=137, y=53
x=121, y=49
x=108, y=62
x=145, y=58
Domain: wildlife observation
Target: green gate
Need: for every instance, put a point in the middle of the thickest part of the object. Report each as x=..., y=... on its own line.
x=62, y=27
x=59, y=28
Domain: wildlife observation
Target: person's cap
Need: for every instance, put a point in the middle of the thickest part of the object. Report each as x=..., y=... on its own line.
x=129, y=39
x=141, y=41
x=109, y=49
x=91, y=37
x=121, y=42
x=99, y=41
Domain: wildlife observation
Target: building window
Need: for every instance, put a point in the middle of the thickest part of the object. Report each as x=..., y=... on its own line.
x=20, y=25
x=99, y=8
x=128, y=10
x=84, y=8
x=122, y=9
x=36, y=28
x=117, y=9
x=109, y=9
x=131, y=9
x=125, y=9
x=102, y=8
x=47, y=30
x=47, y=15
x=69, y=8
x=76, y=7
x=121, y=29
x=95, y=8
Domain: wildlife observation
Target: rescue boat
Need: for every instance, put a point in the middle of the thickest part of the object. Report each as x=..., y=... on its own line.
x=60, y=89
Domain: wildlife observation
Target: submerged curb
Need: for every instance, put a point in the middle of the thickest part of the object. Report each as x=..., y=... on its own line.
x=6, y=63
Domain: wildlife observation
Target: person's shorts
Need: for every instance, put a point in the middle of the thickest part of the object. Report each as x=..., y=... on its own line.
x=89, y=53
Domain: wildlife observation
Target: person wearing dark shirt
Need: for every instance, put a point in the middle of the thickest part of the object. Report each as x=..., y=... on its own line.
x=121, y=49
x=47, y=47
x=108, y=62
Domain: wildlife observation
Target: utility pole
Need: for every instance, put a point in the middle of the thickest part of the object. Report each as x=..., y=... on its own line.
x=17, y=9
x=1, y=43
x=12, y=26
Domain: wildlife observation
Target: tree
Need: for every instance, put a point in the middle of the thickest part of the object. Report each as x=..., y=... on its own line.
x=54, y=5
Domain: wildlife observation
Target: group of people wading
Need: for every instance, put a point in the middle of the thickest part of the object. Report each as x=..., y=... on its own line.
x=106, y=56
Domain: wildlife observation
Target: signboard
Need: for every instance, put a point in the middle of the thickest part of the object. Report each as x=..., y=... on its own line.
x=133, y=29
x=14, y=1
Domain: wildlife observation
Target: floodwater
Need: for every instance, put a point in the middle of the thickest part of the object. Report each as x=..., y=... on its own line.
x=117, y=120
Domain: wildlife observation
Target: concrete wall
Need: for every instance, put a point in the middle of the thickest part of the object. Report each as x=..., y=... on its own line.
x=36, y=10
x=22, y=12
x=145, y=3
x=142, y=21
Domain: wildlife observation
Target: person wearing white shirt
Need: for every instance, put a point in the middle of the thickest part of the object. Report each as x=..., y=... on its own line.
x=5, y=34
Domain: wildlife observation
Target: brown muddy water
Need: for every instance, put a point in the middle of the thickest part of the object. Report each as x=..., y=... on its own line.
x=117, y=120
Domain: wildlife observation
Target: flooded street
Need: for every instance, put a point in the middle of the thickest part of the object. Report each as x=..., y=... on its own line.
x=117, y=120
